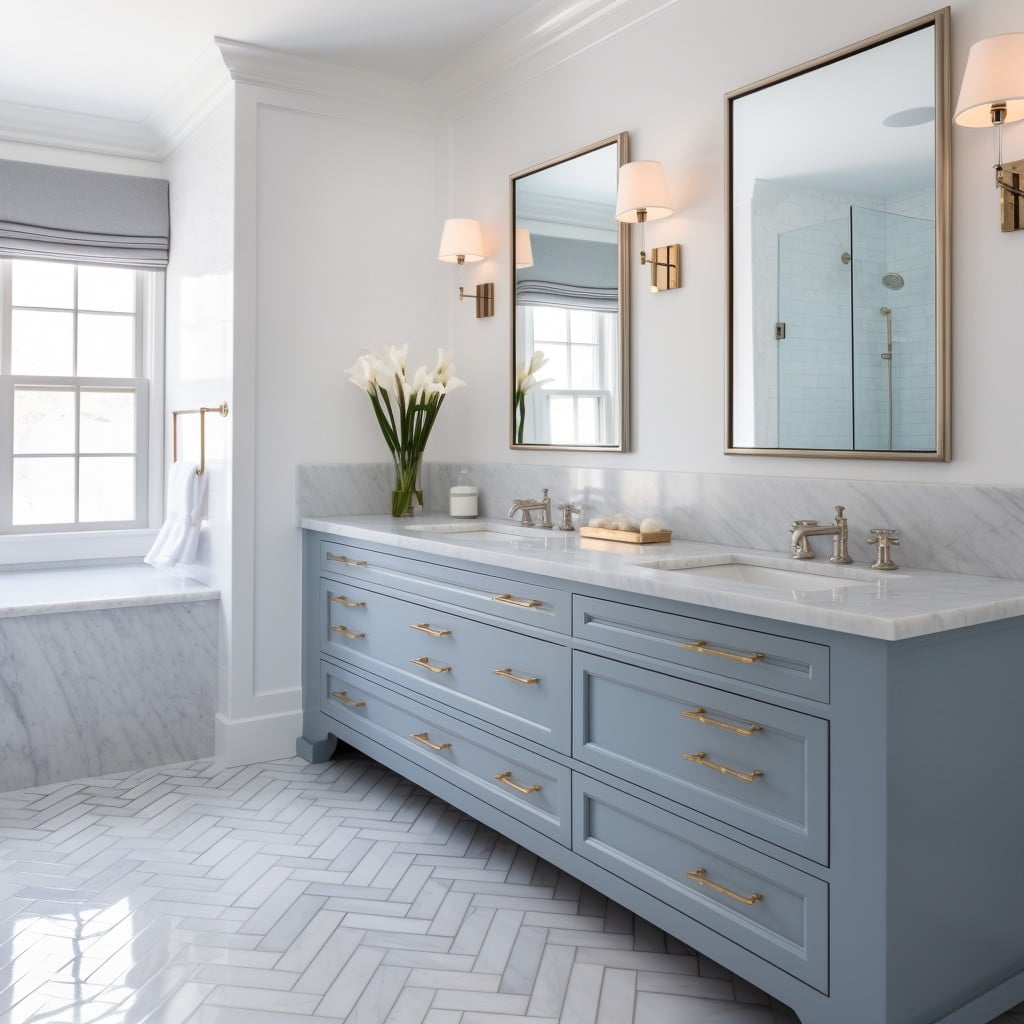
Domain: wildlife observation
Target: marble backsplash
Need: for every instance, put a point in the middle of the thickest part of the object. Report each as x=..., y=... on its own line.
x=962, y=528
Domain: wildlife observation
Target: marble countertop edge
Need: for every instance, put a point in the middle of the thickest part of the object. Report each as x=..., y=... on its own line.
x=886, y=606
x=94, y=588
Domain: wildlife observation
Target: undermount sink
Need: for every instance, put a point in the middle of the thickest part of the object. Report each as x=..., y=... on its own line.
x=761, y=572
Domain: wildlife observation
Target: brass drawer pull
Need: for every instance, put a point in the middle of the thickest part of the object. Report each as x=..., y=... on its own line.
x=509, y=599
x=343, y=696
x=700, y=877
x=506, y=777
x=338, y=599
x=700, y=715
x=424, y=738
x=701, y=647
x=506, y=673
x=344, y=631
x=424, y=627
x=425, y=663
x=701, y=758
x=343, y=559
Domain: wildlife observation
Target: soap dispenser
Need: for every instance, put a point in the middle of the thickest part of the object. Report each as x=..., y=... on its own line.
x=462, y=498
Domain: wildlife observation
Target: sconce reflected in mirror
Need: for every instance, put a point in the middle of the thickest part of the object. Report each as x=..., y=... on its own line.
x=462, y=242
x=643, y=196
x=991, y=95
x=523, y=249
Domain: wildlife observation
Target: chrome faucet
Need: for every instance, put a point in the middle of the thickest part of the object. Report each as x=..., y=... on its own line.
x=839, y=531
x=526, y=506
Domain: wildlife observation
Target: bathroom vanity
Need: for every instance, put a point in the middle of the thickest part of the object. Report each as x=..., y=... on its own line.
x=812, y=778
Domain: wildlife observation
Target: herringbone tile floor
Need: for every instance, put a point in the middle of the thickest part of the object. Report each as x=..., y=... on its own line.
x=288, y=893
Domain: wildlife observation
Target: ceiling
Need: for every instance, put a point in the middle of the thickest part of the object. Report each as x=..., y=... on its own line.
x=120, y=58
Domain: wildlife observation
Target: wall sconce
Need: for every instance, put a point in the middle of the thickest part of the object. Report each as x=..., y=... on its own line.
x=462, y=243
x=524, y=249
x=992, y=94
x=643, y=196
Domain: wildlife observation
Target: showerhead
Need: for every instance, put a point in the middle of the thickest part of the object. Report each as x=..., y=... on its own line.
x=894, y=282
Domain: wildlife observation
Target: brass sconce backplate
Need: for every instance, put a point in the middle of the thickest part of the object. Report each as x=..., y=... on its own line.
x=485, y=299
x=1011, y=207
x=666, y=267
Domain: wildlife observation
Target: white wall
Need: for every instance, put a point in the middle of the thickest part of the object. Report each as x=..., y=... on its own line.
x=199, y=364
x=663, y=79
x=335, y=253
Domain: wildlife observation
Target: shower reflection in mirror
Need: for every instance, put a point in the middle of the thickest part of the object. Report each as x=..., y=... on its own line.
x=856, y=352
x=838, y=234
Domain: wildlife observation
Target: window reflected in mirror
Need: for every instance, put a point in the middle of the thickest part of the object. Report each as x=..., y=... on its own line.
x=569, y=336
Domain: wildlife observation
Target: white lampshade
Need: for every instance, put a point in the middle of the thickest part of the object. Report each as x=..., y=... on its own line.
x=524, y=249
x=642, y=186
x=461, y=238
x=994, y=74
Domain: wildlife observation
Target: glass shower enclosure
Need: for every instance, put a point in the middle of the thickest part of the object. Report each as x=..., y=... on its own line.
x=856, y=333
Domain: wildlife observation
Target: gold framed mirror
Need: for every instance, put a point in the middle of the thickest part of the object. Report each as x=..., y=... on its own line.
x=570, y=314
x=838, y=226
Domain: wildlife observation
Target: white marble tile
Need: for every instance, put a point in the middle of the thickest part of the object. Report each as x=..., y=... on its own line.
x=87, y=692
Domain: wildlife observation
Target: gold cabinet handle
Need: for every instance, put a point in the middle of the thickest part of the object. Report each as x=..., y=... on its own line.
x=701, y=758
x=338, y=599
x=344, y=631
x=700, y=715
x=343, y=559
x=424, y=627
x=506, y=673
x=701, y=647
x=425, y=663
x=343, y=696
x=509, y=599
x=424, y=738
x=506, y=777
x=701, y=878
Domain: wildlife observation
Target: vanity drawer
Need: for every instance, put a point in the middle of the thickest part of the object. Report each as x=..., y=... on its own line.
x=533, y=605
x=757, y=767
x=516, y=682
x=764, y=659
x=769, y=908
x=528, y=787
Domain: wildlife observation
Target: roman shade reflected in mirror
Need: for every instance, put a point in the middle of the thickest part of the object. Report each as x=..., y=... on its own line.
x=838, y=230
x=570, y=344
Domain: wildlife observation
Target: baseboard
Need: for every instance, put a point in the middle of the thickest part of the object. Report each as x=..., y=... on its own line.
x=260, y=738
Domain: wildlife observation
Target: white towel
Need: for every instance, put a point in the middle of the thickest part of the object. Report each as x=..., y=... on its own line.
x=186, y=508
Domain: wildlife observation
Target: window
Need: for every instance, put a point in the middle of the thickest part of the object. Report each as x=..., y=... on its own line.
x=77, y=344
x=574, y=405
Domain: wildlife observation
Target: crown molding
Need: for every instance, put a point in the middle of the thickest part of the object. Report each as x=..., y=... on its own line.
x=276, y=69
x=65, y=129
x=548, y=34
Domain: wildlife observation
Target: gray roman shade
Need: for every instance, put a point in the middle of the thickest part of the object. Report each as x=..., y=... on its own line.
x=572, y=296
x=62, y=213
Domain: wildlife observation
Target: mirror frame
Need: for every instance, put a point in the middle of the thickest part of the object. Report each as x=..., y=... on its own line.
x=939, y=20
x=622, y=140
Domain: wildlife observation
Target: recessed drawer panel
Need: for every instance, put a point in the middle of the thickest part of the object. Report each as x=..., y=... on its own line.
x=760, y=768
x=532, y=605
x=523, y=784
x=769, y=908
x=776, y=662
x=516, y=682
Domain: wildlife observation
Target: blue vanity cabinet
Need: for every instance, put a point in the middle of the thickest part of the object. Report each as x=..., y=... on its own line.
x=836, y=818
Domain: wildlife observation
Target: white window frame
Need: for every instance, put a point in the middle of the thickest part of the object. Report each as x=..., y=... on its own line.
x=538, y=409
x=21, y=544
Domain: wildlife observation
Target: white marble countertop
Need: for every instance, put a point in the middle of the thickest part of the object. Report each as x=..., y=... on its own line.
x=860, y=601
x=86, y=588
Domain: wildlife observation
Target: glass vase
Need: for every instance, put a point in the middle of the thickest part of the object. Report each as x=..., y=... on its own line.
x=406, y=493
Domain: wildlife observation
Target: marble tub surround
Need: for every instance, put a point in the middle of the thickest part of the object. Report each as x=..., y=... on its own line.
x=111, y=689
x=961, y=528
x=87, y=588
x=883, y=605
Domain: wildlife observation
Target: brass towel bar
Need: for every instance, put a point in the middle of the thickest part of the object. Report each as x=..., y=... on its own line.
x=202, y=411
